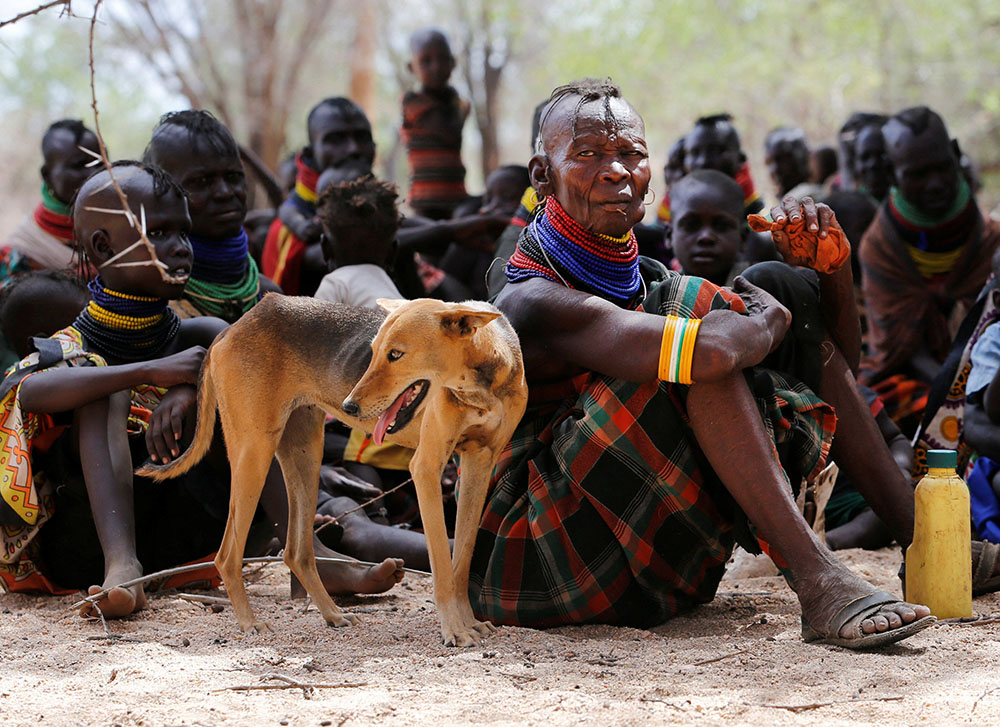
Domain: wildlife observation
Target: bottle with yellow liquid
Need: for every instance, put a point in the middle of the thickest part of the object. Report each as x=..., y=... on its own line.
x=939, y=562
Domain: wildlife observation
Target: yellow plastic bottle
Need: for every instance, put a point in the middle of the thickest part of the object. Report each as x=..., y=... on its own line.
x=939, y=562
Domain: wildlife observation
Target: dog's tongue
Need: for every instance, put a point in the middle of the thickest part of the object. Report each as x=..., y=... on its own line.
x=387, y=418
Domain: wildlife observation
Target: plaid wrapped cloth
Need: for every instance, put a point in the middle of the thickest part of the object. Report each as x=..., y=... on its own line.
x=603, y=509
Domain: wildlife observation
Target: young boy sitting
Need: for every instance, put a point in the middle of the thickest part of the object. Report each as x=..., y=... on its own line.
x=432, y=128
x=359, y=223
x=708, y=227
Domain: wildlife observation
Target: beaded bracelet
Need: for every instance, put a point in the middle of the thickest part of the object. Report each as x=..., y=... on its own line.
x=677, y=349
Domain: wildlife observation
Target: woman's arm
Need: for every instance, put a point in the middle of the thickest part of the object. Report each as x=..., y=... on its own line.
x=69, y=388
x=583, y=329
x=838, y=302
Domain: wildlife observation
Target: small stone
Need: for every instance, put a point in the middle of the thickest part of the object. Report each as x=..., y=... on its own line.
x=217, y=608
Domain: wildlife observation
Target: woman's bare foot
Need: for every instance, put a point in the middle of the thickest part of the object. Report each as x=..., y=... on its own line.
x=118, y=602
x=823, y=596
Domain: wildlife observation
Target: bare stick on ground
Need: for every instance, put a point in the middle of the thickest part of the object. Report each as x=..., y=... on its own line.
x=289, y=683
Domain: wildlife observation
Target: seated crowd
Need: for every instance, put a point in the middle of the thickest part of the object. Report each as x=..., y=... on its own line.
x=661, y=358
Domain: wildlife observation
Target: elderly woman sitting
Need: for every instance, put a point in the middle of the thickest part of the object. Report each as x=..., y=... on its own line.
x=652, y=438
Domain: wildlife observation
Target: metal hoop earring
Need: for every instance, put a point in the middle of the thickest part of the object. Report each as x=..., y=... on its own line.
x=647, y=204
x=535, y=198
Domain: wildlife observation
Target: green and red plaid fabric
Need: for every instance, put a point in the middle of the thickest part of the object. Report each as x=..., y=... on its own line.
x=604, y=509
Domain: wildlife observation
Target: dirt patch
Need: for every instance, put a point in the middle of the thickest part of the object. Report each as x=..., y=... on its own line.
x=738, y=660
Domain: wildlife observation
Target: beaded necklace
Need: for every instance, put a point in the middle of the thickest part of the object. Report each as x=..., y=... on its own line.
x=126, y=327
x=557, y=247
x=53, y=216
x=224, y=280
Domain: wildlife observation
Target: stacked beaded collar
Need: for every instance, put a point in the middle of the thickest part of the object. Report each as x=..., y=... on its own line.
x=126, y=327
x=54, y=217
x=557, y=247
x=224, y=279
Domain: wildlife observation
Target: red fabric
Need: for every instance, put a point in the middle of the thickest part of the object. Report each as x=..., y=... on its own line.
x=282, y=257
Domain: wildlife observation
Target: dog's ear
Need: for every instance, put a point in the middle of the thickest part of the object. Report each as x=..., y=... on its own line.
x=389, y=304
x=462, y=321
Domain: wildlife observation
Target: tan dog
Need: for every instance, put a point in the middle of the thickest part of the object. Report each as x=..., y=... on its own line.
x=444, y=378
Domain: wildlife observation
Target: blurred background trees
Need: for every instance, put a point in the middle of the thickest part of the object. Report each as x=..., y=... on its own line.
x=260, y=64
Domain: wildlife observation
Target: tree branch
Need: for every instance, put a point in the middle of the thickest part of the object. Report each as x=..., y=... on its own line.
x=28, y=13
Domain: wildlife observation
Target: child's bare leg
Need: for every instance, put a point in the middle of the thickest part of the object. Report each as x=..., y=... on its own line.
x=727, y=425
x=107, y=471
x=338, y=578
x=861, y=452
x=866, y=531
x=370, y=541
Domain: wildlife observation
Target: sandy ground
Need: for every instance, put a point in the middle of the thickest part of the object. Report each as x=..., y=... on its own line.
x=738, y=660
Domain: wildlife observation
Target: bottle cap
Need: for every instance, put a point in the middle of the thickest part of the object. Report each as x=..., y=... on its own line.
x=942, y=458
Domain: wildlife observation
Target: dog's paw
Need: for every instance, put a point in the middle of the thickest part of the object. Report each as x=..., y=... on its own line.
x=342, y=619
x=258, y=627
x=468, y=634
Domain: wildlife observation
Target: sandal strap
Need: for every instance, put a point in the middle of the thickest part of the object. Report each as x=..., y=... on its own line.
x=858, y=607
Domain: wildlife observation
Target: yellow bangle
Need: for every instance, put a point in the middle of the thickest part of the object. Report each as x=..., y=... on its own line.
x=677, y=349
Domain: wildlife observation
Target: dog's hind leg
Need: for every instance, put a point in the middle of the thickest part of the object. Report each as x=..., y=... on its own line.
x=476, y=467
x=300, y=452
x=249, y=469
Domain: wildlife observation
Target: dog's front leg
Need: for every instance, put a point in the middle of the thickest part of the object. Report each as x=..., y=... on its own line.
x=427, y=467
x=476, y=467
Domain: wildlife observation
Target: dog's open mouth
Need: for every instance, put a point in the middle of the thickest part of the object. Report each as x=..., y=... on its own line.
x=399, y=414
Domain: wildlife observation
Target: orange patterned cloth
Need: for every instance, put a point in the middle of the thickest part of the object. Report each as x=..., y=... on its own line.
x=822, y=254
x=27, y=493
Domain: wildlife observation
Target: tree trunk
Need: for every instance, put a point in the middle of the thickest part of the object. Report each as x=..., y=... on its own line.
x=363, y=80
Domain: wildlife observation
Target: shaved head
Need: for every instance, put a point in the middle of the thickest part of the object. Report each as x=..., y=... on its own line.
x=427, y=36
x=581, y=93
x=914, y=121
x=925, y=163
x=593, y=157
x=727, y=190
x=142, y=185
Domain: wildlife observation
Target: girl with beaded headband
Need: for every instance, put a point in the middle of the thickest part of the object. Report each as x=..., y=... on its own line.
x=127, y=365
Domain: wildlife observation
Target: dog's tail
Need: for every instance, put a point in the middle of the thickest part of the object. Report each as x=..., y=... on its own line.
x=203, y=433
